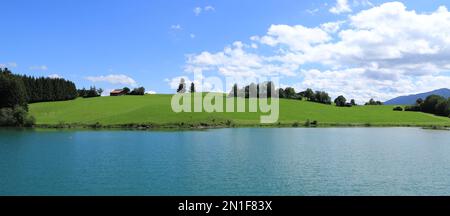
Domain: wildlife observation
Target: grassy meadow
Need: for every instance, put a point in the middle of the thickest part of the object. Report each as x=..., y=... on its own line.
x=156, y=111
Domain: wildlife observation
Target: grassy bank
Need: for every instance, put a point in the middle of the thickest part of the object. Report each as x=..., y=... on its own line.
x=154, y=111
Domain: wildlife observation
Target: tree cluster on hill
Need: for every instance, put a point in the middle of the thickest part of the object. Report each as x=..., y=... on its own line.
x=97, y=92
x=89, y=93
x=341, y=101
x=265, y=89
x=13, y=100
x=181, y=86
x=12, y=90
x=433, y=104
x=192, y=90
x=373, y=102
x=288, y=93
x=137, y=91
x=315, y=96
x=253, y=90
x=41, y=89
x=398, y=108
x=308, y=94
x=321, y=97
x=16, y=116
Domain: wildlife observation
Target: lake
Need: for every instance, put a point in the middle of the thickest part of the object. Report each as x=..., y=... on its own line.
x=241, y=161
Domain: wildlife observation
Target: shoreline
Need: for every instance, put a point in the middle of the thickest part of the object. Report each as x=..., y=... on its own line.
x=205, y=126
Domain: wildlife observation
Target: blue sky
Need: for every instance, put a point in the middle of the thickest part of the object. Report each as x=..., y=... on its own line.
x=149, y=41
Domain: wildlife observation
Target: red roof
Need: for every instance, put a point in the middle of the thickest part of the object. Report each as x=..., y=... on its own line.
x=117, y=91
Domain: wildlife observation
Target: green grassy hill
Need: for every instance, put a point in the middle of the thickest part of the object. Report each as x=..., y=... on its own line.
x=156, y=110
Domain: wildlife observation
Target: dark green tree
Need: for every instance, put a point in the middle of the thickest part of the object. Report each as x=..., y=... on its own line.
x=443, y=108
x=251, y=91
x=45, y=88
x=429, y=105
x=340, y=101
x=192, y=87
x=92, y=92
x=270, y=89
x=419, y=101
x=82, y=92
x=16, y=117
x=100, y=91
x=12, y=91
x=181, y=86
x=138, y=91
x=281, y=93
x=289, y=92
x=398, y=108
x=321, y=97
x=373, y=102
x=235, y=90
x=309, y=94
x=126, y=90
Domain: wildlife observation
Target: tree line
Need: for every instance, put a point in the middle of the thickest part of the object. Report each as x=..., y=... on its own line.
x=182, y=87
x=91, y=92
x=253, y=90
x=13, y=101
x=266, y=88
x=135, y=91
x=17, y=91
x=433, y=104
x=28, y=89
x=97, y=92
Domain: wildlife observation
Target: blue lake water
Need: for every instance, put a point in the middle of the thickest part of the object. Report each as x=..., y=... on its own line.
x=244, y=161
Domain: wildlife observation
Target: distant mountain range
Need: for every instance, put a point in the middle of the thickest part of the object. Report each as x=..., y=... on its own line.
x=411, y=99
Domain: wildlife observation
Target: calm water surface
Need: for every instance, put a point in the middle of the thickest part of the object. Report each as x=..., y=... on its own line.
x=246, y=161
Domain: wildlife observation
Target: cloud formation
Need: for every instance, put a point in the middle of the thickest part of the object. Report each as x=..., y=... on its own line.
x=381, y=52
x=55, y=76
x=341, y=6
x=312, y=11
x=235, y=61
x=176, y=27
x=113, y=79
x=39, y=67
x=8, y=65
x=198, y=10
x=209, y=8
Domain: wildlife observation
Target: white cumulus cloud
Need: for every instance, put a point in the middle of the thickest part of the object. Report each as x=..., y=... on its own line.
x=341, y=6
x=113, y=79
x=198, y=10
x=381, y=52
x=150, y=92
x=55, y=76
x=234, y=61
x=332, y=27
x=39, y=67
x=297, y=37
x=362, y=3
x=209, y=8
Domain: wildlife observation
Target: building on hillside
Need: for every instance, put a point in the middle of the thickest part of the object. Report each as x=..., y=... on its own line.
x=117, y=92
